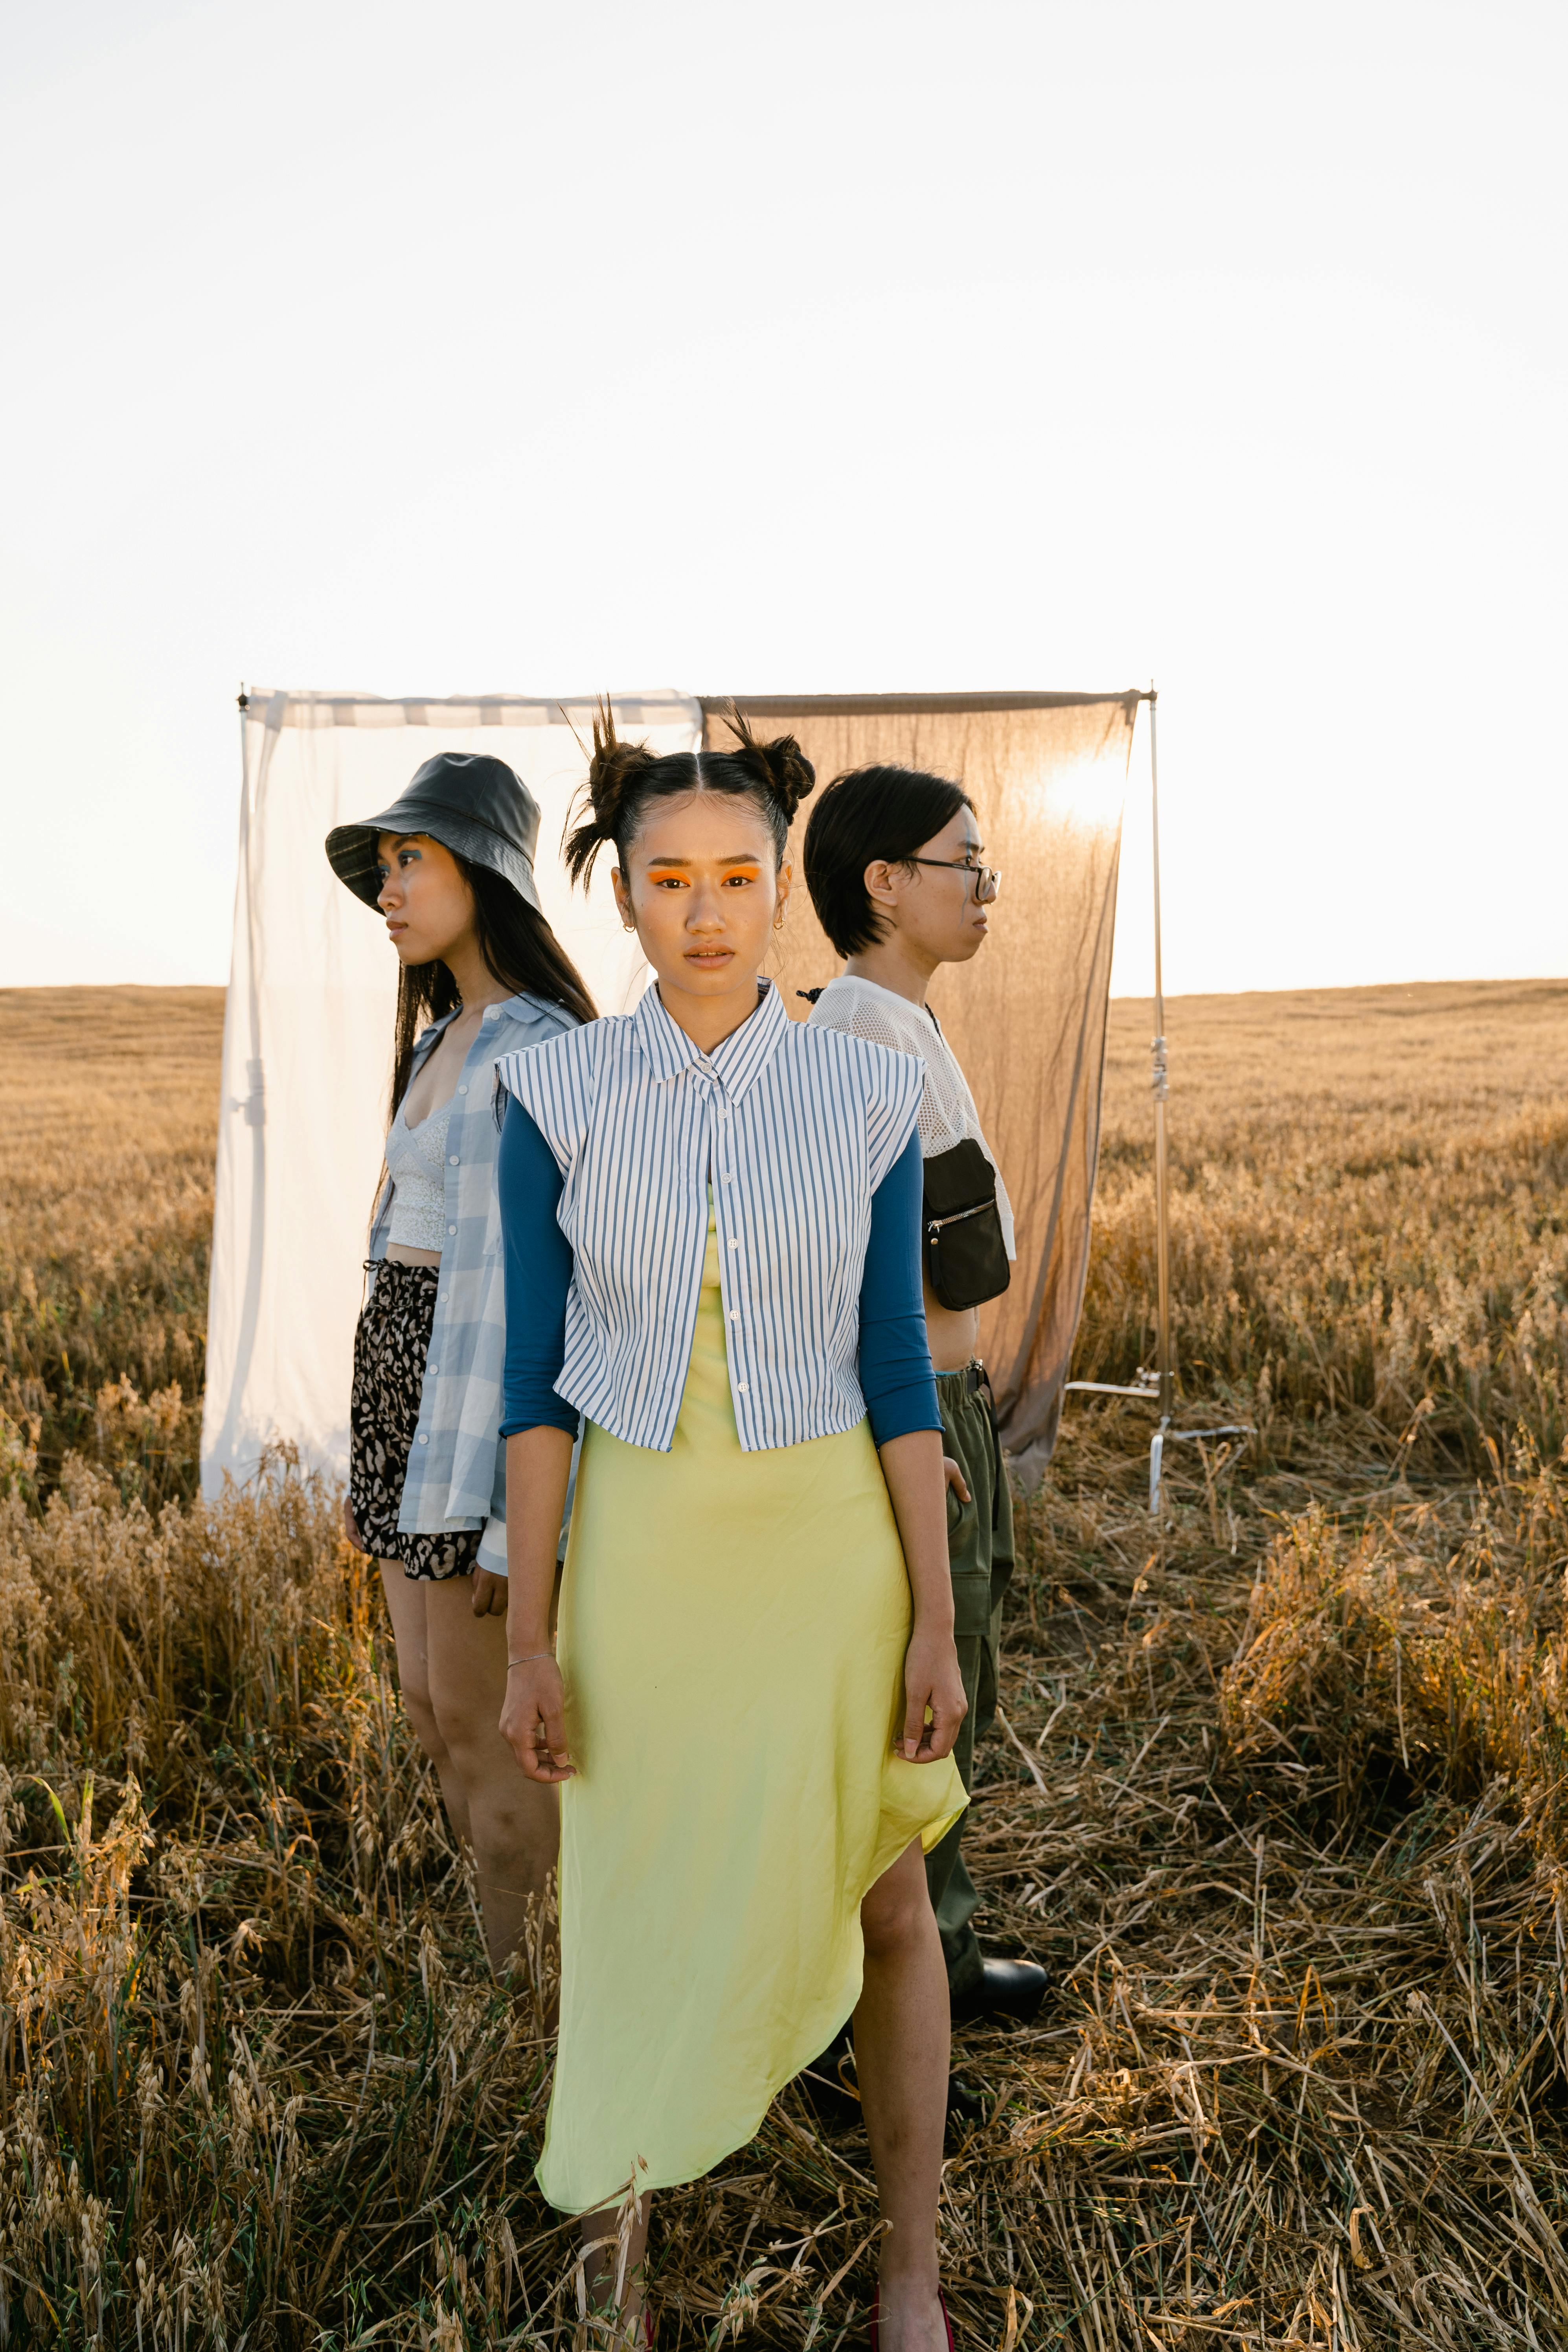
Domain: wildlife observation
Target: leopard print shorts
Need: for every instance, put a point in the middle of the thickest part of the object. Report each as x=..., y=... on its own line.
x=390, y=1347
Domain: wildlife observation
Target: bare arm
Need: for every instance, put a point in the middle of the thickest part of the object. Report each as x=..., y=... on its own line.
x=533, y=1718
x=912, y=1466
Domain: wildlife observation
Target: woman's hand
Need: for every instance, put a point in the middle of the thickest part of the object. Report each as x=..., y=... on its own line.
x=931, y=1682
x=533, y=1719
x=350, y=1529
x=954, y=1477
x=489, y=1594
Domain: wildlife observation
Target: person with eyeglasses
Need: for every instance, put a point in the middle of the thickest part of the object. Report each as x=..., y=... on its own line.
x=895, y=866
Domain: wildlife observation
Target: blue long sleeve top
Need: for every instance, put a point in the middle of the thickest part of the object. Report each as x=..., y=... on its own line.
x=895, y=1366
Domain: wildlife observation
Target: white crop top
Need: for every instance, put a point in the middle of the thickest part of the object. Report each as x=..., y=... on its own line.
x=416, y=1163
x=947, y=1107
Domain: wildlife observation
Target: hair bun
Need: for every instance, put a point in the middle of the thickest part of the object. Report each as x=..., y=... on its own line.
x=781, y=767
x=791, y=772
x=612, y=771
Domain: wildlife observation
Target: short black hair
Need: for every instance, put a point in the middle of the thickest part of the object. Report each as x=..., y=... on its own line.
x=870, y=813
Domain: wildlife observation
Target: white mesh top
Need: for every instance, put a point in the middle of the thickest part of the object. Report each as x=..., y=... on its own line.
x=947, y=1107
x=416, y=1163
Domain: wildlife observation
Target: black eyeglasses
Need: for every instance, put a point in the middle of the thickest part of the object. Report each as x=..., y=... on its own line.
x=987, y=879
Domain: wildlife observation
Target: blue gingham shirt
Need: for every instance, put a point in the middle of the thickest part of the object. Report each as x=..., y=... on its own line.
x=796, y=1127
x=457, y=1464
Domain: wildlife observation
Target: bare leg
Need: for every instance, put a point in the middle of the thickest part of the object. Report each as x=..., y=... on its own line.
x=512, y=1821
x=616, y=2272
x=405, y=1601
x=901, y=2042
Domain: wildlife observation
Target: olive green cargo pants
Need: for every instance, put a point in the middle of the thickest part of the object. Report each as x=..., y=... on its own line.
x=980, y=1554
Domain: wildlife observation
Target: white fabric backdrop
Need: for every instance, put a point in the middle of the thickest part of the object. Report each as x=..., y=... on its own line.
x=307, y=1050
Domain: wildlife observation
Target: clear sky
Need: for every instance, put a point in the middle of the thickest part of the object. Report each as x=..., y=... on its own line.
x=852, y=345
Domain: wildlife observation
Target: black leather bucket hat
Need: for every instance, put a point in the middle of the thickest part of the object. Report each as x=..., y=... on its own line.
x=472, y=803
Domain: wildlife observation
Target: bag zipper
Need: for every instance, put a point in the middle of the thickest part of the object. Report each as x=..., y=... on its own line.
x=935, y=1224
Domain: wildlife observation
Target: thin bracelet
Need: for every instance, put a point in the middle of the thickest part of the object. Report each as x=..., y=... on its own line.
x=528, y=1659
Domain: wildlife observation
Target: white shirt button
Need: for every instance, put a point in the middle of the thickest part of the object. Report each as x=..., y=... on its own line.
x=733, y=1244
x=743, y=1387
x=422, y=1439
x=452, y=1161
x=444, y=1297
x=462, y=1090
x=432, y=1368
x=451, y=1229
x=734, y=1314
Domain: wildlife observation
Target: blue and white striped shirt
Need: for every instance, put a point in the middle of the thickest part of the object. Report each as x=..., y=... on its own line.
x=796, y=1127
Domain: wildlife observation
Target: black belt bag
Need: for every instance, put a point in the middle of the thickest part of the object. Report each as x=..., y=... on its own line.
x=965, y=1254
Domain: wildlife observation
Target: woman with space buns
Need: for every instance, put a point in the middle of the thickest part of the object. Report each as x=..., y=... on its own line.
x=711, y=1225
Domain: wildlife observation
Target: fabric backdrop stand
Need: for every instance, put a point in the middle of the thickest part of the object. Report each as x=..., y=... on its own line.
x=1160, y=1387
x=308, y=1025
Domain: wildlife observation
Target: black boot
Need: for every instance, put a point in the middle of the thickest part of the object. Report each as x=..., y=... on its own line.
x=1005, y=1989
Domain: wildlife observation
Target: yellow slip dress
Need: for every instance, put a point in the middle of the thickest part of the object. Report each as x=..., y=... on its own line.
x=733, y=1635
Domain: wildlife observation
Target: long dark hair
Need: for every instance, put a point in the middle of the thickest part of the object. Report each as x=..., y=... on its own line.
x=623, y=778
x=520, y=950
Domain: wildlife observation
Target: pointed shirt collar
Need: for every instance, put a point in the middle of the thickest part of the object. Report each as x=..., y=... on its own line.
x=521, y=1007
x=735, y=1065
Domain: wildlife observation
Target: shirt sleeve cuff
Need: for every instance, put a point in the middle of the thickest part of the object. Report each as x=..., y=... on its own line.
x=899, y=1411
x=555, y=1414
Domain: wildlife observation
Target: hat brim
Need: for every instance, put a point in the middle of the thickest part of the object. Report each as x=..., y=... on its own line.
x=352, y=848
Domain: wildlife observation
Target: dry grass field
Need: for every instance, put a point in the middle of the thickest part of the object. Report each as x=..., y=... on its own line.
x=105, y=1181
x=1279, y=1796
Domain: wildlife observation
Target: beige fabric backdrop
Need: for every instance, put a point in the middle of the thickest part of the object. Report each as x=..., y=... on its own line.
x=1026, y=1019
